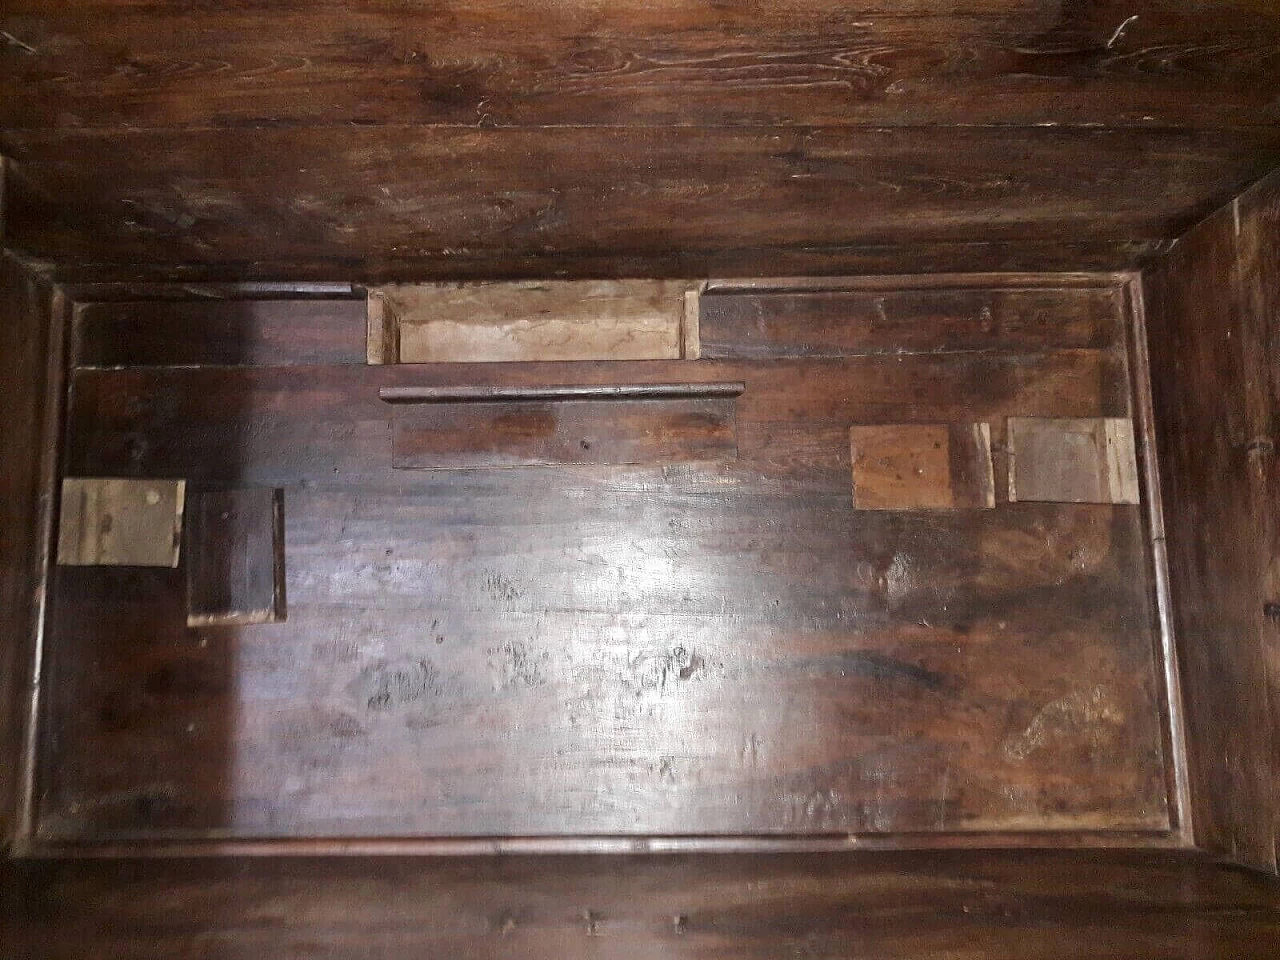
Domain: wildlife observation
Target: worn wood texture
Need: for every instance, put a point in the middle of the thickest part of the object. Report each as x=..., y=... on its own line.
x=120, y=522
x=707, y=648
x=1006, y=905
x=235, y=557
x=533, y=320
x=255, y=332
x=26, y=320
x=1072, y=461
x=529, y=433
x=1211, y=305
x=922, y=466
x=422, y=196
x=1154, y=63
x=830, y=322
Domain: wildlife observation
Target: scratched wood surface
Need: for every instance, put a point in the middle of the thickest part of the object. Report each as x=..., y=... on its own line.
x=425, y=196
x=1003, y=905
x=1157, y=63
x=522, y=433
x=1213, y=348
x=685, y=648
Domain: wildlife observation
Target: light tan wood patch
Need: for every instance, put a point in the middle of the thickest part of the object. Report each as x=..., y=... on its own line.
x=922, y=466
x=1072, y=461
x=120, y=522
x=532, y=321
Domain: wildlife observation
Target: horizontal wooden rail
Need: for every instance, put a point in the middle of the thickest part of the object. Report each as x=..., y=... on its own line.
x=611, y=391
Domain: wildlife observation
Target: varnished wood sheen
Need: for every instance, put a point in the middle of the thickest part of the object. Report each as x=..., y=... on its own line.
x=423, y=196
x=1213, y=336
x=1003, y=905
x=531, y=433
x=685, y=648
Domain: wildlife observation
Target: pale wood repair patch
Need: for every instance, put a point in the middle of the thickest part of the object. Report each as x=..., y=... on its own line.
x=118, y=522
x=533, y=321
x=945, y=466
x=1072, y=461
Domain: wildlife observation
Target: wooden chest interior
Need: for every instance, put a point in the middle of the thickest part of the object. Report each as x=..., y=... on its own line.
x=704, y=478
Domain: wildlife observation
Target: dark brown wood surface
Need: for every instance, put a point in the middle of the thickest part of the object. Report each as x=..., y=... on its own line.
x=25, y=346
x=425, y=195
x=1154, y=63
x=1006, y=905
x=512, y=434
x=235, y=557
x=679, y=649
x=254, y=332
x=1211, y=308
x=765, y=323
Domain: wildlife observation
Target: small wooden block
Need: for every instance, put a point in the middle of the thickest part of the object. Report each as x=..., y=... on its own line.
x=522, y=433
x=109, y=521
x=1072, y=461
x=235, y=558
x=922, y=466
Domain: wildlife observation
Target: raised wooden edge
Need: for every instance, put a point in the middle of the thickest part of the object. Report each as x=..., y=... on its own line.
x=1177, y=772
x=211, y=844
x=607, y=391
x=53, y=428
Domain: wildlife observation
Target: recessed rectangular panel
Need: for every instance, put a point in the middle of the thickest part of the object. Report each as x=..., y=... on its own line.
x=921, y=466
x=107, y=521
x=1072, y=460
x=529, y=321
x=235, y=557
x=836, y=323
x=220, y=332
x=529, y=433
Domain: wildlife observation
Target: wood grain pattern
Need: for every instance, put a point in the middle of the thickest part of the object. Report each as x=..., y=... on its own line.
x=922, y=466
x=609, y=644
x=28, y=344
x=93, y=64
x=531, y=433
x=120, y=522
x=533, y=320
x=1212, y=331
x=1003, y=905
x=252, y=332
x=831, y=322
x=235, y=558
x=1072, y=461
x=442, y=194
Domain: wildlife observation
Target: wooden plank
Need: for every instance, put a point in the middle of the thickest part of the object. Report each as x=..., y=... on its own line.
x=1000, y=905
x=1072, y=460
x=833, y=322
x=30, y=361
x=95, y=64
x=120, y=522
x=428, y=195
x=922, y=466
x=235, y=558
x=530, y=433
x=1214, y=410
x=249, y=332
x=533, y=320
x=603, y=650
